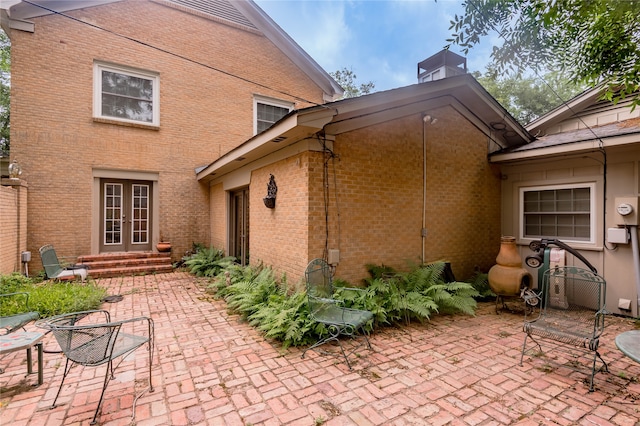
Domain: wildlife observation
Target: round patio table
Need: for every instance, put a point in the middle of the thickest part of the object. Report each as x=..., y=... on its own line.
x=629, y=344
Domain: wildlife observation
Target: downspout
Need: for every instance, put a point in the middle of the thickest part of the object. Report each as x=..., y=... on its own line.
x=423, y=231
x=636, y=263
x=426, y=119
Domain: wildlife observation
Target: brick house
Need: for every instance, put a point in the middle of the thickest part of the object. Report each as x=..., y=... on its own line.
x=394, y=177
x=115, y=104
x=126, y=131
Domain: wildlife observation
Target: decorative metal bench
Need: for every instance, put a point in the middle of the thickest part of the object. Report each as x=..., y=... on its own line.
x=572, y=311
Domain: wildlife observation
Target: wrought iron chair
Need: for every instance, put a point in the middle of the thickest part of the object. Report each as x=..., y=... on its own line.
x=93, y=344
x=54, y=270
x=323, y=309
x=572, y=311
x=13, y=322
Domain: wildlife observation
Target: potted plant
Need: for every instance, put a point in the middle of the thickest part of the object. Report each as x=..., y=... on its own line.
x=163, y=246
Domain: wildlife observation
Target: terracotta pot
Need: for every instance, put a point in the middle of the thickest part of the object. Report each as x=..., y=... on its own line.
x=163, y=247
x=508, y=277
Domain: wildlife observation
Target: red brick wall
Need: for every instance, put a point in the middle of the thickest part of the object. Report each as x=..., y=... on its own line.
x=279, y=236
x=377, y=215
x=13, y=223
x=204, y=112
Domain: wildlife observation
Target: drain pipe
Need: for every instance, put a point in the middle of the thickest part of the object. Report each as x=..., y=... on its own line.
x=426, y=119
x=636, y=263
x=423, y=231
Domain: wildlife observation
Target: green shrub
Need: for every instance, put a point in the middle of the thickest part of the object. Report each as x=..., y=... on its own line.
x=256, y=295
x=207, y=262
x=401, y=297
x=50, y=298
x=480, y=281
x=282, y=313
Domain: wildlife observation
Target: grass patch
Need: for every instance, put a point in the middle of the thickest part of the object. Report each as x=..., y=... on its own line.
x=50, y=298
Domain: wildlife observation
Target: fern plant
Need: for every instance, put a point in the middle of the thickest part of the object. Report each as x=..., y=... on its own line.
x=416, y=295
x=208, y=262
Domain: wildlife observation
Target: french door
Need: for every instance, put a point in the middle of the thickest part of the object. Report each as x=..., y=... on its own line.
x=239, y=226
x=125, y=215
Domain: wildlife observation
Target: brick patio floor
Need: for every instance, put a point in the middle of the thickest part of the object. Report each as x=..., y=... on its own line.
x=213, y=369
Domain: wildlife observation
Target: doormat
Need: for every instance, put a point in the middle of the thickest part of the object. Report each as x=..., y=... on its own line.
x=113, y=299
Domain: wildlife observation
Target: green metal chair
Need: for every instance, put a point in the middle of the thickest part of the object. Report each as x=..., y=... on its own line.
x=15, y=321
x=324, y=309
x=572, y=312
x=55, y=271
x=91, y=339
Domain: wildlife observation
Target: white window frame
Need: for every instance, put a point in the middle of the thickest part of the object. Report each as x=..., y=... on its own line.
x=257, y=99
x=592, y=211
x=147, y=75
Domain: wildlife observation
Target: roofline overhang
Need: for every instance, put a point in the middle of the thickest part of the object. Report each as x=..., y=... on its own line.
x=355, y=113
x=15, y=14
x=569, y=148
x=332, y=90
x=297, y=125
x=566, y=109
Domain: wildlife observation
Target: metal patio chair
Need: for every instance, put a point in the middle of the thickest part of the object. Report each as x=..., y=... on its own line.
x=572, y=311
x=93, y=344
x=54, y=270
x=13, y=322
x=339, y=321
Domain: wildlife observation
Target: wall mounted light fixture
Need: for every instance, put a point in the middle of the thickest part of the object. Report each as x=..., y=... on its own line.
x=272, y=190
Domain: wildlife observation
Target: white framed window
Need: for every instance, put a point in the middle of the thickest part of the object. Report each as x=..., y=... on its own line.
x=126, y=94
x=565, y=212
x=267, y=111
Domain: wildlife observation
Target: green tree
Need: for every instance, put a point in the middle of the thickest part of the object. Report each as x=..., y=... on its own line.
x=595, y=41
x=347, y=79
x=527, y=98
x=5, y=76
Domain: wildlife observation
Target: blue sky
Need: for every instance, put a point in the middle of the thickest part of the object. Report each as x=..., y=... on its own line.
x=380, y=40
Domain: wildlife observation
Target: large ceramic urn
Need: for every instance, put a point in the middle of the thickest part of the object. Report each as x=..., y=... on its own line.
x=508, y=277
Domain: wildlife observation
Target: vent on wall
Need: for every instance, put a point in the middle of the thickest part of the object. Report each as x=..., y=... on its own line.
x=278, y=139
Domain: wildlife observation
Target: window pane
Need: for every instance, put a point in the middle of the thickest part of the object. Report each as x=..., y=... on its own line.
x=562, y=213
x=268, y=114
x=126, y=96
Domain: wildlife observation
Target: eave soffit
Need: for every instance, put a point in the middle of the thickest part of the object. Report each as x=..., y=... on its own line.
x=463, y=93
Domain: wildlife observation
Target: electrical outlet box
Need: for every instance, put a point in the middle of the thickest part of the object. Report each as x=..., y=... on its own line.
x=618, y=236
x=626, y=210
x=333, y=257
x=25, y=256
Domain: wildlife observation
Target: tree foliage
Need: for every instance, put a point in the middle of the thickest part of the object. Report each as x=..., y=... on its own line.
x=347, y=79
x=527, y=98
x=595, y=41
x=5, y=73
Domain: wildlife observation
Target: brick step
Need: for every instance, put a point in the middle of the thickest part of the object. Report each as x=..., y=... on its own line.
x=119, y=264
x=129, y=270
x=119, y=256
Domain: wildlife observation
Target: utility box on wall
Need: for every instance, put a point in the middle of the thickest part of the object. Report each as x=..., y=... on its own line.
x=626, y=210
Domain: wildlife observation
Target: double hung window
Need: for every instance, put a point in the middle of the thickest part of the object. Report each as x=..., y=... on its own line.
x=127, y=95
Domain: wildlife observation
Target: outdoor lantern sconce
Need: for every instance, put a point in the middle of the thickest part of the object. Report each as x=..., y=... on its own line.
x=272, y=189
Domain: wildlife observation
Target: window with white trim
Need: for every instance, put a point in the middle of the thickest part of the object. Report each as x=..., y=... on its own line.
x=268, y=111
x=125, y=94
x=566, y=212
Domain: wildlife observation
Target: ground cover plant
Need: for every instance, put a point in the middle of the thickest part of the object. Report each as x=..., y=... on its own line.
x=50, y=298
x=280, y=310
